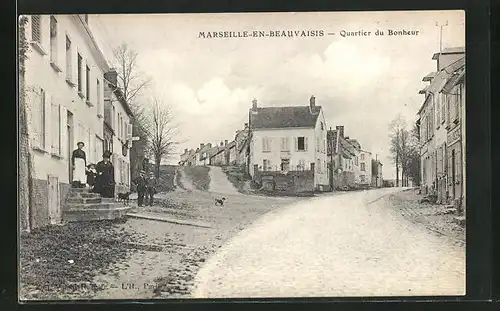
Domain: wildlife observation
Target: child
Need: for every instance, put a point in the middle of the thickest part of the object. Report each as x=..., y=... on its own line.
x=91, y=176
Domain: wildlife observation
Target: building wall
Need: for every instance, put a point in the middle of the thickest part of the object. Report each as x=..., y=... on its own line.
x=366, y=159
x=233, y=155
x=289, y=182
x=47, y=70
x=321, y=167
x=275, y=154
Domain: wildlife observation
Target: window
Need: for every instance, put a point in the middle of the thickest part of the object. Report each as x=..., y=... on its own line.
x=56, y=129
x=113, y=121
x=87, y=82
x=322, y=126
x=362, y=178
x=285, y=144
x=98, y=90
x=438, y=110
x=36, y=30
x=53, y=39
x=69, y=61
x=318, y=165
x=317, y=144
x=266, y=146
x=41, y=130
x=363, y=168
x=301, y=144
x=443, y=107
x=265, y=164
x=458, y=102
x=362, y=157
x=79, y=64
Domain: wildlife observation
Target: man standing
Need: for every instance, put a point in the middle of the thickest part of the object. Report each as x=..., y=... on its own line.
x=151, y=188
x=140, y=182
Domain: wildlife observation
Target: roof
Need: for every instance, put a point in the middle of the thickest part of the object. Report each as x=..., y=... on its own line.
x=347, y=146
x=424, y=90
x=453, y=50
x=231, y=144
x=429, y=76
x=442, y=77
x=119, y=95
x=456, y=78
x=284, y=117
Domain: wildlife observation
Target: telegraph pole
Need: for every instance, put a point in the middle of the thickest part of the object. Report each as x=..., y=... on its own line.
x=441, y=35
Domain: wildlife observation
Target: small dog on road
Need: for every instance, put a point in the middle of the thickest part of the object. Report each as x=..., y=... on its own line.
x=219, y=201
x=124, y=197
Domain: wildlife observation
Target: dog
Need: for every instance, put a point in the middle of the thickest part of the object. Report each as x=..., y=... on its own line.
x=124, y=197
x=219, y=201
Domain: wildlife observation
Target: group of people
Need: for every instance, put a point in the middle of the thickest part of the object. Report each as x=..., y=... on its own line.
x=146, y=188
x=100, y=177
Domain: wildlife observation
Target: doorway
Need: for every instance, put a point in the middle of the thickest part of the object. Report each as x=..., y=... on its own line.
x=70, y=143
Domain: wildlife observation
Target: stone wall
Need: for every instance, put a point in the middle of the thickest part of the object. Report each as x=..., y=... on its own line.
x=289, y=182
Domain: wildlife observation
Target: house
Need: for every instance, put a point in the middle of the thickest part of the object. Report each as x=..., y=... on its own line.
x=433, y=126
x=376, y=176
x=202, y=156
x=118, y=130
x=454, y=93
x=365, y=167
x=350, y=166
x=288, y=147
x=231, y=153
x=64, y=85
x=218, y=155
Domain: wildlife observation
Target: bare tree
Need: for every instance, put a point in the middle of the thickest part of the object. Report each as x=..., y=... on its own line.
x=162, y=133
x=396, y=128
x=132, y=82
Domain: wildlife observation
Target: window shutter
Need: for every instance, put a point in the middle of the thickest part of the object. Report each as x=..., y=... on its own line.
x=47, y=129
x=63, y=131
x=129, y=130
x=296, y=143
x=305, y=143
x=36, y=28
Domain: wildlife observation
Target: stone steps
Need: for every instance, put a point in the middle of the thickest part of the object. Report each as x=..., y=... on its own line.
x=90, y=214
x=83, y=205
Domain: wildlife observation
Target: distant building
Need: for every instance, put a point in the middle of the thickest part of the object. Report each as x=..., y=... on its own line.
x=289, y=141
x=365, y=167
x=377, y=179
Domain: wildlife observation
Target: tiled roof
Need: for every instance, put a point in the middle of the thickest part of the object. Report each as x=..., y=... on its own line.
x=284, y=117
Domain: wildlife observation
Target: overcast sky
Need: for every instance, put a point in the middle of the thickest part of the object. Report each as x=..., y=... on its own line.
x=361, y=82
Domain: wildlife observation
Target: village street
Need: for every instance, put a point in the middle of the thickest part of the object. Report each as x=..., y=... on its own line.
x=353, y=244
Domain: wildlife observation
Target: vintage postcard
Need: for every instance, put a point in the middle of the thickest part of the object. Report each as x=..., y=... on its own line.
x=248, y=155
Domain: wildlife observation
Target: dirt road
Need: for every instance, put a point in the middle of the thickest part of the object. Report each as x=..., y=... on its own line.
x=353, y=244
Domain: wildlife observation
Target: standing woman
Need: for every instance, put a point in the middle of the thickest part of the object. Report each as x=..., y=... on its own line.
x=79, y=161
x=105, y=181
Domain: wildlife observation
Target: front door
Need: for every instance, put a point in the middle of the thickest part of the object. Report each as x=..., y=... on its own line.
x=70, y=146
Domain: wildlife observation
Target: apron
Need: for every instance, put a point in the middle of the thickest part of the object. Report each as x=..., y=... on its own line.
x=79, y=171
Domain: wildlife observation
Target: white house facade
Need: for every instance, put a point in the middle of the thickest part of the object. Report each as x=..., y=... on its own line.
x=365, y=167
x=64, y=95
x=289, y=139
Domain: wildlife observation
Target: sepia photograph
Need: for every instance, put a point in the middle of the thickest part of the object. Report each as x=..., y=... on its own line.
x=241, y=155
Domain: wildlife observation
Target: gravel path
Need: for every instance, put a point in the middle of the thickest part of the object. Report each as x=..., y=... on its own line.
x=353, y=244
x=170, y=255
x=219, y=182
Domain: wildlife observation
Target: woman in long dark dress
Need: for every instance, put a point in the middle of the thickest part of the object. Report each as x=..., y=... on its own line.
x=105, y=181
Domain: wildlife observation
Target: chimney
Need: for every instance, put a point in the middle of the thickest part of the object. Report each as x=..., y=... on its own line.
x=312, y=101
x=254, y=104
x=225, y=142
x=186, y=150
x=209, y=145
x=222, y=143
x=112, y=76
x=340, y=129
x=201, y=145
